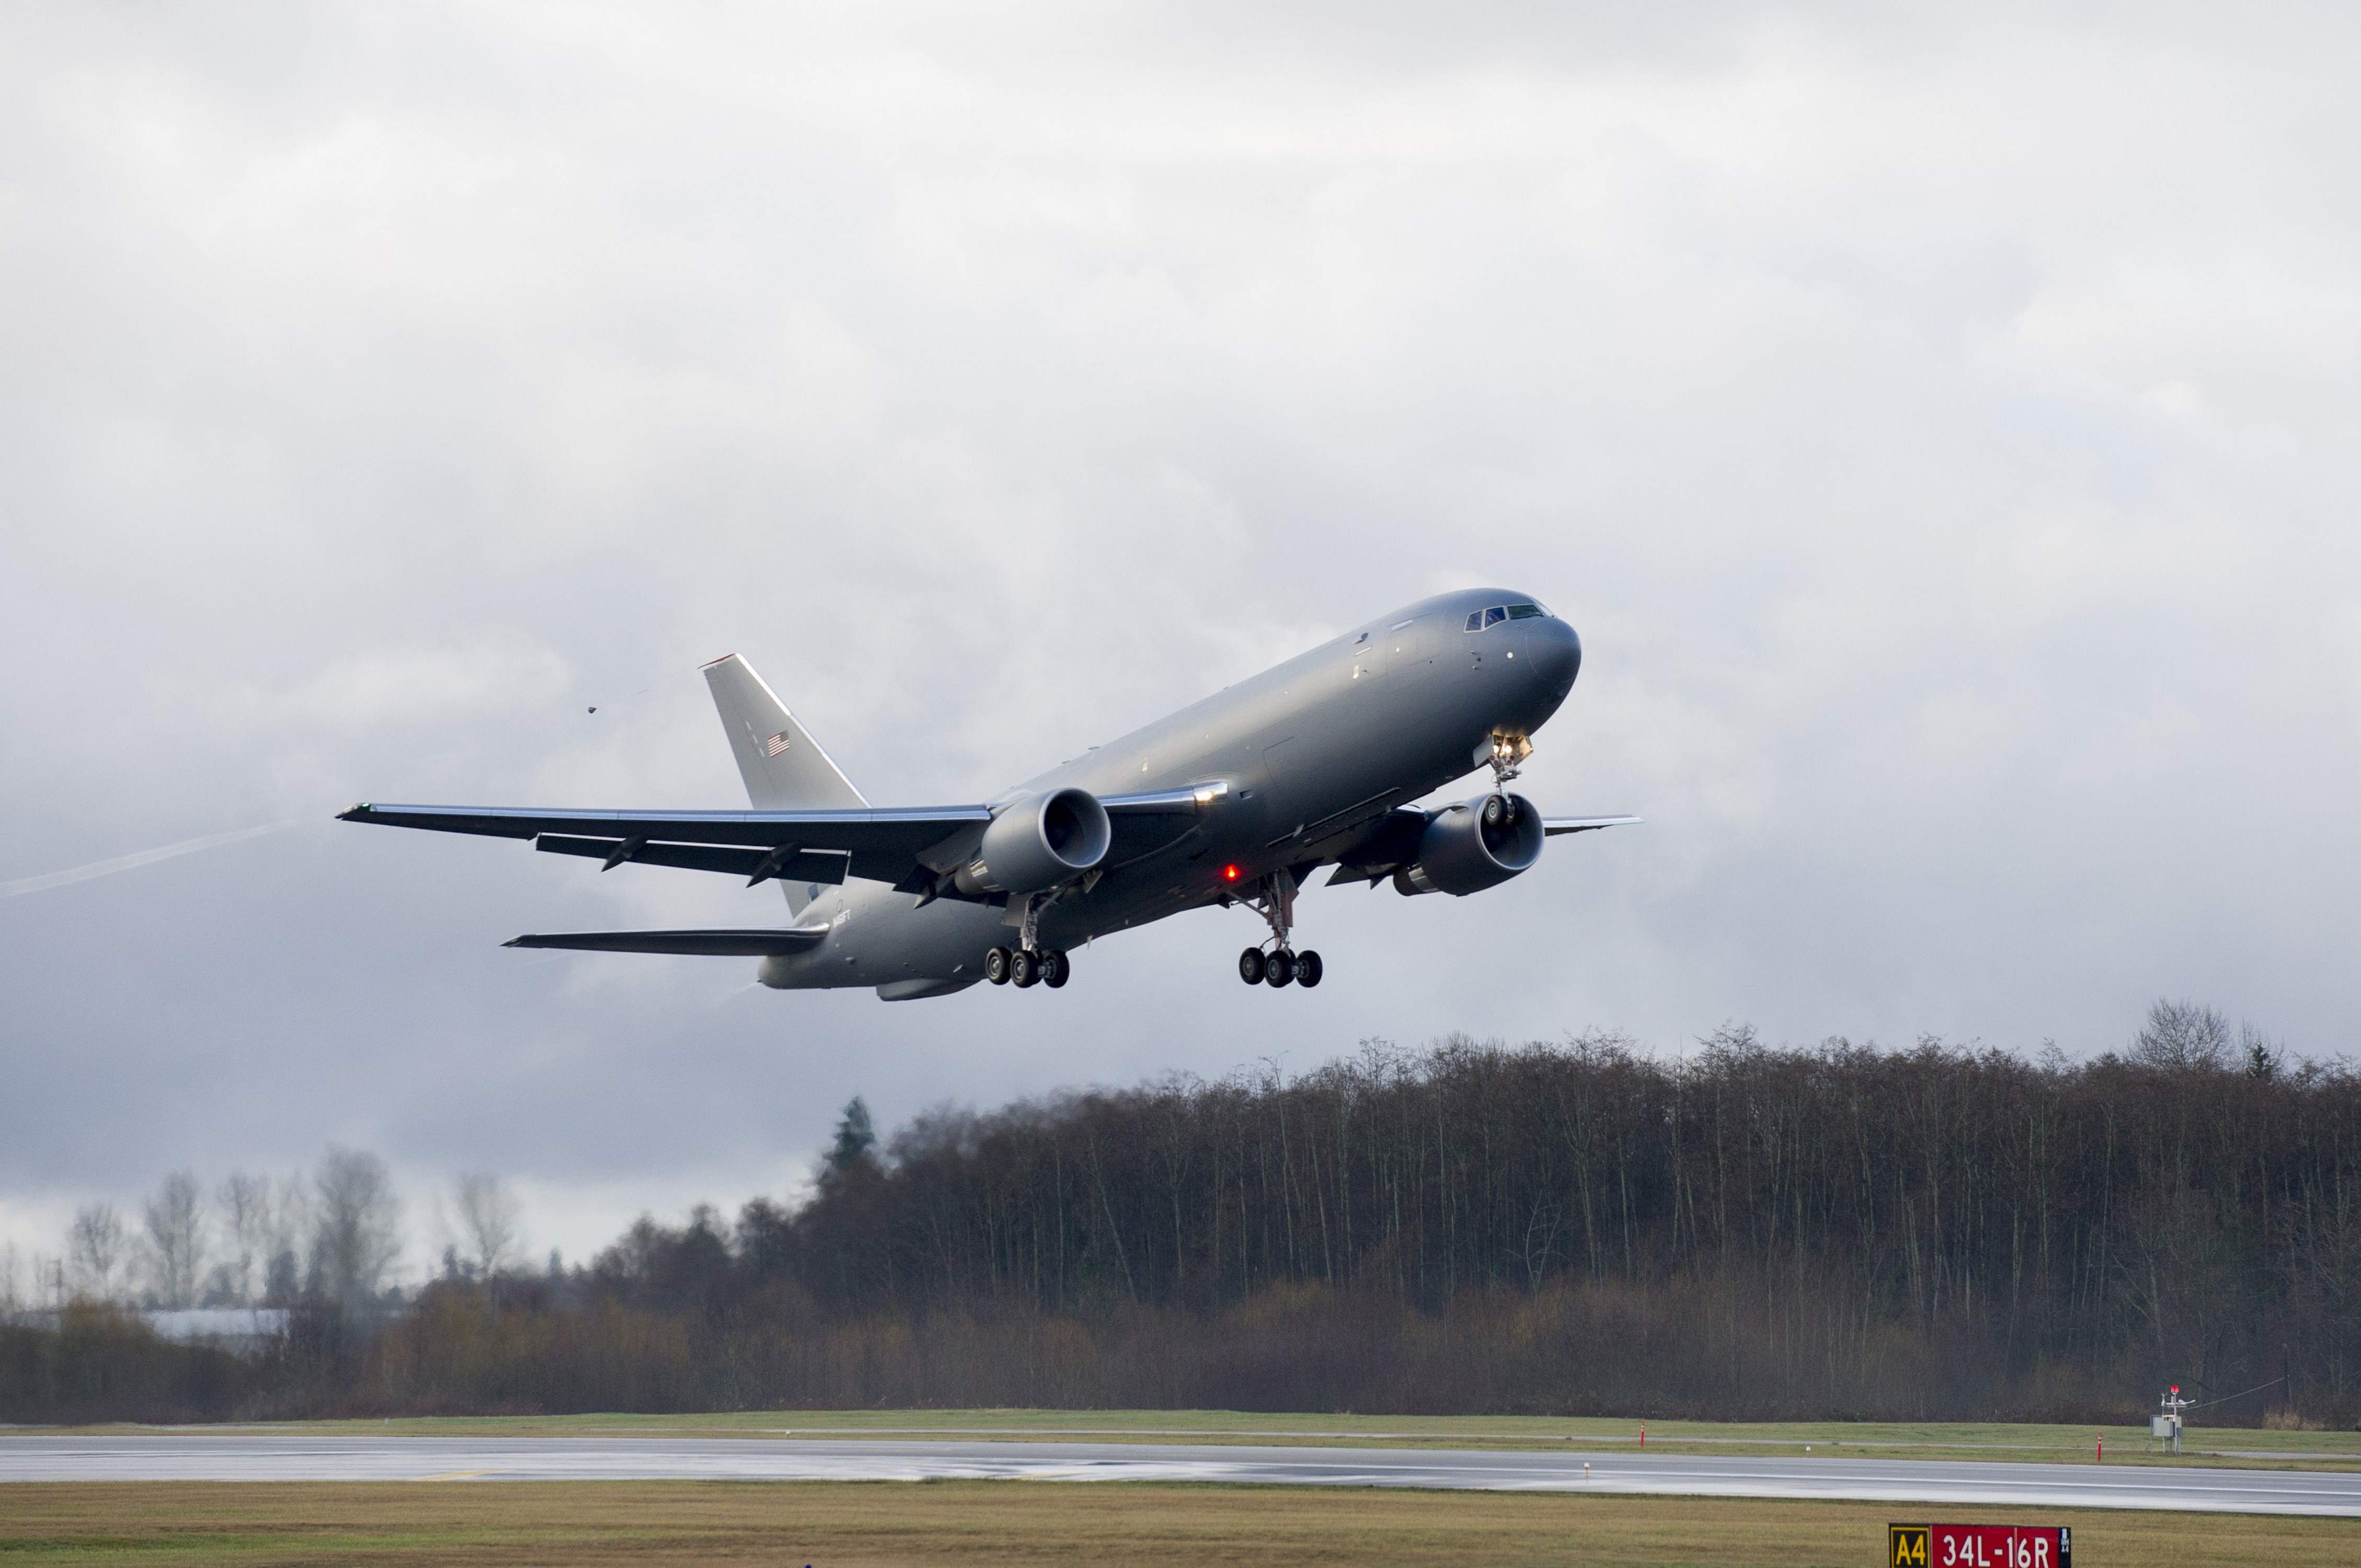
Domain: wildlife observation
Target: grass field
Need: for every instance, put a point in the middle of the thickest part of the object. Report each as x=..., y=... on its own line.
x=1025, y=1522
x=2231, y=1447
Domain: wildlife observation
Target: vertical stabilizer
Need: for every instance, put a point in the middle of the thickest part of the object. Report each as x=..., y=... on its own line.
x=784, y=767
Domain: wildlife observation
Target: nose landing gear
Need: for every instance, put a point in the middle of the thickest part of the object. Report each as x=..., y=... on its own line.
x=1503, y=753
x=1506, y=752
x=1282, y=966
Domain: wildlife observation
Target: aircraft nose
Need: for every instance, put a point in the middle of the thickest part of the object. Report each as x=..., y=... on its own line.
x=1556, y=653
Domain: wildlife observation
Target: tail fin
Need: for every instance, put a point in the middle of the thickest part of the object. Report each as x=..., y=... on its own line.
x=783, y=765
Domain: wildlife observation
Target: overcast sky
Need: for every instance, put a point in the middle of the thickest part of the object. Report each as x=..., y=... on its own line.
x=1941, y=432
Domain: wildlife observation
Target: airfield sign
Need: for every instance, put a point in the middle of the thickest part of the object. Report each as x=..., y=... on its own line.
x=1979, y=1546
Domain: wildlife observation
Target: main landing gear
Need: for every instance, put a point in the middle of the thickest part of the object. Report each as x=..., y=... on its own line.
x=1029, y=963
x=1279, y=967
x=1023, y=967
x=1282, y=966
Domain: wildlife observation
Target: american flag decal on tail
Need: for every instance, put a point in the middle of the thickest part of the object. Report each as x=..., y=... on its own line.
x=775, y=744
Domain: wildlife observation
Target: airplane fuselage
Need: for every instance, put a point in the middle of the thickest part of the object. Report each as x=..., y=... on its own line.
x=1301, y=759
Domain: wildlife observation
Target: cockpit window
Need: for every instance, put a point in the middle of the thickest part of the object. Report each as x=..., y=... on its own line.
x=1478, y=620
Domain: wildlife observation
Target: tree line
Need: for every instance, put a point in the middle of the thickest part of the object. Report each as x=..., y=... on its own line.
x=1572, y=1226
x=333, y=1235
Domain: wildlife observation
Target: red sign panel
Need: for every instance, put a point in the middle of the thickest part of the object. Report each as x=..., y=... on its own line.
x=1979, y=1546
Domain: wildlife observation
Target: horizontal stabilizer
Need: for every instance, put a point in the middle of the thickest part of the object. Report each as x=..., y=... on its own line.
x=709, y=944
x=1554, y=826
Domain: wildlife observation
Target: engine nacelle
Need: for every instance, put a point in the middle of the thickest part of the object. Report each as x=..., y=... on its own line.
x=1037, y=842
x=1461, y=854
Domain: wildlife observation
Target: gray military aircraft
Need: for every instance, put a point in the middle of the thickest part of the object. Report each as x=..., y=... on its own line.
x=1236, y=801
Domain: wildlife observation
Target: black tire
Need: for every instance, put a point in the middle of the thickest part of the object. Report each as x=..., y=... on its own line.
x=1250, y=966
x=1495, y=810
x=1055, y=969
x=1024, y=967
x=1307, y=968
x=995, y=966
x=1281, y=970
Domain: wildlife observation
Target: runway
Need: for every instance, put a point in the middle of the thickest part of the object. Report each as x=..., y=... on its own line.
x=262, y=1456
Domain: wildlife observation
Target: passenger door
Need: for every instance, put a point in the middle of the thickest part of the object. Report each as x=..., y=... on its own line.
x=1283, y=800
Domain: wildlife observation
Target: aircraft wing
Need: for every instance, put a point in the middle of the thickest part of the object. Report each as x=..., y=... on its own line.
x=884, y=843
x=1154, y=820
x=712, y=944
x=903, y=845
x=1554, y=826
x=1392, y=841
x=1186, y=801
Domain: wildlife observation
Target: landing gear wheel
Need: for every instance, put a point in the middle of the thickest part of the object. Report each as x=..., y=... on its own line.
x=1024, y=967
x=1307, y=968
x=1056, y=969
x=1495, y=810
x=1280, y=969
x=1250, y=966
x=995, y=966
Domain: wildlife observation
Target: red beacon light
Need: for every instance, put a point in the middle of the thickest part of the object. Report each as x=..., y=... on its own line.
x=1229, y=874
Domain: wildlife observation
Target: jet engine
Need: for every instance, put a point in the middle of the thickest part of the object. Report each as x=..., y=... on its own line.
x=1475, y=845
x=1037, y=842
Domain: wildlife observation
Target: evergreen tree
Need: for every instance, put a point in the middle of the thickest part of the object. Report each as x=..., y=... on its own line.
x=855, y=1137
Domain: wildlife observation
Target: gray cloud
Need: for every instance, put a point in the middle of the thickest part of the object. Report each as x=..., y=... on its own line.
x=1940, y=437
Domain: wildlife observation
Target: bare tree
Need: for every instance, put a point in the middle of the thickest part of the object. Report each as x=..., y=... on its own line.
x=95, y=1246
x=291, y=1227
x=247, y=1215
x=2183, y=1035
x=357, y=1230
x=488, y=1221
x=174, y=1247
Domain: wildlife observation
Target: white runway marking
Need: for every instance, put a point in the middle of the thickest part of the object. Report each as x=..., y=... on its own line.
x=199, y=1456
